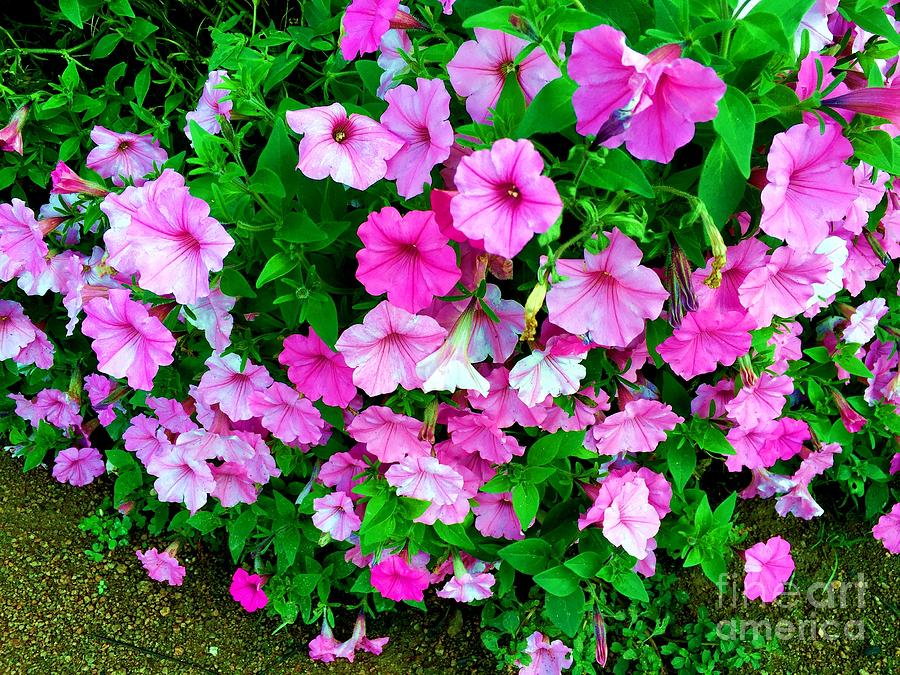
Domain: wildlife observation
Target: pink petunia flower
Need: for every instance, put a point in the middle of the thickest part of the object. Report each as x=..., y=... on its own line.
x=741, y=259
x=38, y=352
x=334, y=514
x=503, y=197
x=388, y=435
x=397, y=580
x=490, y=338
x=182, y=475
x=394, y=44
x=341, y=469
x=767, y=566
x=233, y=484
x=99, y=389
x=419, y=117
x=760, y=401
x=225, y=383
x=630, y=521
x=384, y=350
x=366, y=21
x=406, y=257
x=22, y=245
x=480, y=433
x=640, y=427
x=66, y=182
x=503, y=405
x=78, y=466
x=553, y=371
x=607, y=295
x=425, y=478
x=468, y=587
x=784, y=286
x=212, y=315
x=705, y=339
x=798, y=500
x=318, y=371
x=124, y=155
x=11, y=134
x=353, y=149
x=212, y=103
x=480, y=67
x=247, y=589
x=128, y=341
x=289, y=417
x=163, y=567
x=495, y=516
x=326, y=649
x=864, y=320
x=809, y=183
x=449, y=368
x=146, y=439
x=172, y=414
x=876, y=101
x=887, y=530
x=763, y=444
x=547, y=658
x=16, y=329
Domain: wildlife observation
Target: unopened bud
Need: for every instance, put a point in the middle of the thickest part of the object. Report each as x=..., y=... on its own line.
x=533, y=305
x=719, y=251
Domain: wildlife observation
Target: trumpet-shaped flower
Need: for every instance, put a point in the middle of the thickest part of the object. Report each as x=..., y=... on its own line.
x=66, y=182
x=640, y=427
x=503, y=405
x=212, y=103
x=607, y=295
x=212, y=315
x=468, y=587
x=128, y=341
x=388, y=435
x=227, y=384
x=887, y=529
x=353, y=149
x=38, y=352
x=864, y=320
x=124, y=155
x=393, y=45
x=16, y=329
x=504, y=200
x=146, y=439
x=480, y=433
x=247, y=589
x=449, y=368
x=78, y=466
x=420, y=118
x=364, y=24
x=406, y=257
x=784, y=286
x=767, y=566
x=760, y=401
x=182, y=476
x=22, y=245
x=163, y=567
x=554, y=371
x=630, y=521
x=317, y=370
x=740, y=260
x=705, y=339
x=289, y=417
x=384, y=349
x=334, y=514
x=233, y=484
x=396, y=579
x=425, y=478
x=98, y=389
x=11, y=134
x=495, y=516
x=547, y=658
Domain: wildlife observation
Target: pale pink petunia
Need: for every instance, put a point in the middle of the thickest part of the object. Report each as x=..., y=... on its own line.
x=124, y=155
x=326, y=649
x=871, y=186
x=502, y=403
x=211, y=104
x=798, y=500
x=247, y=589
x=212, y=315
x=394, y=44
x=16, y=329
x=711, y=399
x=480, y=434
x=449, y=368
x=99, y=389
x=57, y=408
x=468, y=587
x=396, y=579
x=760, y=401
x=448, y=514
x=341, y=470
x=887, y=530
x=419, y=117
x=388, y=435
x=767, y=566
x=334, y=514
x=546, y=658
x=39, y=351
x=864, y=320
x=554, y=371
x=146, y=439
x=809, y=183
x=759, y=446
x=11, y=134
x=317, y=370
x=384, y=350
x=640, y=427
x=351, y=148
x=784, y=286
x=740, y=260
x=630, y=521
x=289, y=417
x=22, y=245
x=765, y=484
x=589, y=404
x=182, y=476
x=480, y=67
x=364, y=24
x=162, y=567
x=504, y=199
x=172, y=414
x=260, y=467
x=705, y=339
x=425, y=478
x=607, y=295
x=863, y=263
x=233, y=484
x=225, y=382
x=78, y=466
x=787, y=346
x=406, y=257
x=495, y=516
x=127, y=340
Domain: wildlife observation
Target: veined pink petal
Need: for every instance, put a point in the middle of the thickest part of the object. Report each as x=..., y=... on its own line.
x=425, y=478
x=388, y=435
x=704, y=340
x=289, y=417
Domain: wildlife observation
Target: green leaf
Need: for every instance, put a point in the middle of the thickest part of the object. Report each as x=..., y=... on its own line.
x=721, y=183
x=238, y=532
x=234, y=284
x=629, y=584
x=496, y=18
x=71, y=9
x=142, y=85
x=559, y=581
x=528, y=556
x=657, y=331
x=736, y=124
x=617, y=171
x=525, y=500
x=455, y=535
x=69, y=77
x=550, y=111
x=121, y=459
x=712, y=439
x=266, y=182
x=280, y=156
x=759, y=34
x=547, y=448
x=287, y=543
x=204, y=522
x=121, y=8
x=877, y=148
x=566, y=612
x=852, y=365
x=818, y=354
x=681, y=460
x=105, y=46
x=585, y=565
x=789, y=11
x=510, y=108
x=722, y=515
x=322, y=316
x=275, y=268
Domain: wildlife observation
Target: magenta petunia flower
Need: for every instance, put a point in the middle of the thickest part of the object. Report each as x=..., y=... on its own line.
x=876, y=101
x=57, y=408
x=760, y=401
x=553, y=371
x=503, y=198
x=163, y=567
x=126, y=155
x=809, y=184
x=425, y=478
x=397, y=580
x=66, y=182
x=230, y=386
x=317, y=370
x=784, y=286
x=352, y=149
x=326, y=649
x=547, y=658
x=233, y=484
x=182, y=475
x=384, y=350
x=341, y=469
x=406, y=257
x=763, y=444
x=212, y=103
x=741, y=259
x=640, y=427
x=887, y=529
x=420, y=118
x=22, y=245
x=480, y=67
x=128, y=341
x=388, y=435
x=468, y=587
x=496, y=517
x=247, y=589
x=289, y=417
x=16, y=329
x=705, y=339
x=503, y=404
x=334, y=514
x=864, y=320
x=767, y=566
x=78, y=466
x=607, y=295
x=11, y=134
x=364, y=24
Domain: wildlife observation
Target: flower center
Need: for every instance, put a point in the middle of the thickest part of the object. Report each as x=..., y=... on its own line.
x=341, y=131
x=508, y=68
x=340, y=136
x=513, y=192
x=124, y=146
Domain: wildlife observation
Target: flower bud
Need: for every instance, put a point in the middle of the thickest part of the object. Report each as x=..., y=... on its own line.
x=851, y=419
x=719, y=251
x=600, y=637
x=682, y=298
x=533, y=305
